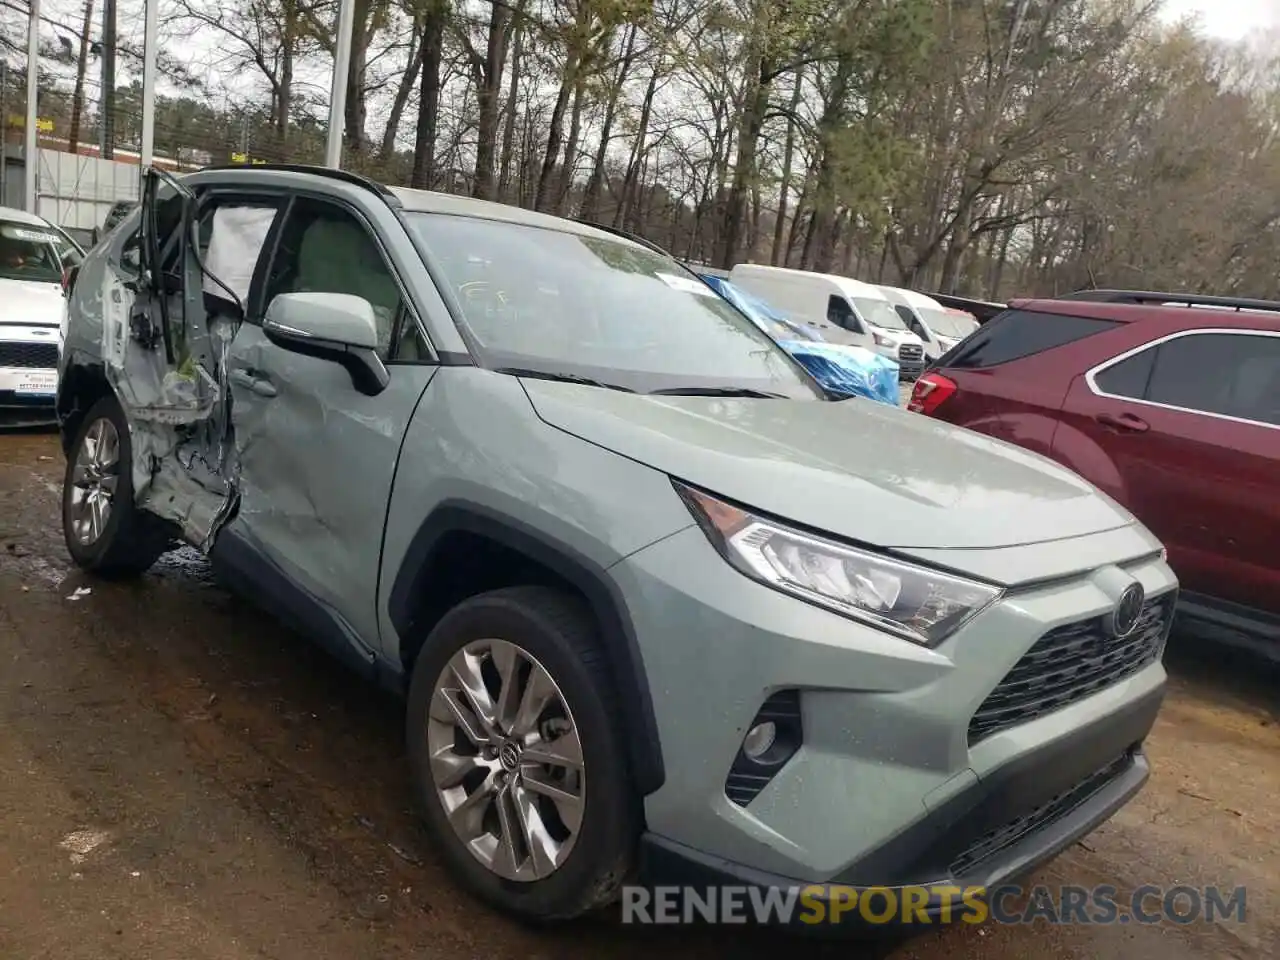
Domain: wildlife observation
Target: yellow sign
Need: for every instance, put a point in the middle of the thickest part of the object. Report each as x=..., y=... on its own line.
x=43, y=124
x=244, y=158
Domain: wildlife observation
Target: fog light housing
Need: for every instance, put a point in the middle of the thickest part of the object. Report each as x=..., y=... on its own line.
x=772, y=739
x=759, y=739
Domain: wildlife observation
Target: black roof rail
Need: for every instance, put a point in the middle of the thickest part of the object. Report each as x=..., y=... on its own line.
x=346, y=176
x=624, y=234
x=1174, y=299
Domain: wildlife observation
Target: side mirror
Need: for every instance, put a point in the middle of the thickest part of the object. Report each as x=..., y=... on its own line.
x=330, y=326
x=69, y=279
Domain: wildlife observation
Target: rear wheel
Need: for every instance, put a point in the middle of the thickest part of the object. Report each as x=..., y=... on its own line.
x=516, y=754
x=104, y=530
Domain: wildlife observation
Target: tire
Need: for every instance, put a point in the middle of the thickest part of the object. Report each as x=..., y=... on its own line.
x=558, y=634
x=128, y=541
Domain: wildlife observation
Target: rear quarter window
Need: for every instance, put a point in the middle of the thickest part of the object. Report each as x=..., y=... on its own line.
x=1016, y=334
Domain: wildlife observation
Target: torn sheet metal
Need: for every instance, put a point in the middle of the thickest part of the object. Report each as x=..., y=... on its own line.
x=165, y=346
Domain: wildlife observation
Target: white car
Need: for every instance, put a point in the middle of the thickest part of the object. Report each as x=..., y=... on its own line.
x=34, y=255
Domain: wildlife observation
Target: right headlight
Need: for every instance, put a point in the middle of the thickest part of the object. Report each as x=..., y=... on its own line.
x=916, y=603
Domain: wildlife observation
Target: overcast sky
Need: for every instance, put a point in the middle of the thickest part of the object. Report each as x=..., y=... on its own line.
x=1229, y=19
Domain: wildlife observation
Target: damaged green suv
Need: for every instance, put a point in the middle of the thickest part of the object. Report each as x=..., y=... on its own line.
x=659, y=607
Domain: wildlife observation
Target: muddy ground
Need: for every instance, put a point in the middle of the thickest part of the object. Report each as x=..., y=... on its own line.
x=182, y=778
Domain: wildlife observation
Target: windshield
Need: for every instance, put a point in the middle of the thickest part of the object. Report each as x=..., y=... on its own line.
x=878, y=313
x=27, y=253
x=564, y=304
x=945, y=324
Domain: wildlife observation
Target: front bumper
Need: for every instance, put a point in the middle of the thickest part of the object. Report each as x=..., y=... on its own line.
x=27, y=396
x=996, y=832
x=886, y=789
x=909, y=367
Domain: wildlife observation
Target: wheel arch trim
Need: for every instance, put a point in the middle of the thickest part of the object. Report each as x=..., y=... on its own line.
x=617, y=636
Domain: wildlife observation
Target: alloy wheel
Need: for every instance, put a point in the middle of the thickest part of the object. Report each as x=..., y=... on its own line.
x=506, y=760
x=93, y=481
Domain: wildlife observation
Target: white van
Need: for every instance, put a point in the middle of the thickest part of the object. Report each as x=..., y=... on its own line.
x=939, y=328
x=844, y=310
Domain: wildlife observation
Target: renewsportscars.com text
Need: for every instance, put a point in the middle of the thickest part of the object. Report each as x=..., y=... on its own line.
x=934, y=905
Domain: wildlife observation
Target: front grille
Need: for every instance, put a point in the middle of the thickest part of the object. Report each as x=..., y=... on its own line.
x=1070, y=663
x=911, y=352
x=1056, y=807
x=33, y=356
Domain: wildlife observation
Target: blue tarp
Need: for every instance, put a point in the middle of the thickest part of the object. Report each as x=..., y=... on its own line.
x=846, y=370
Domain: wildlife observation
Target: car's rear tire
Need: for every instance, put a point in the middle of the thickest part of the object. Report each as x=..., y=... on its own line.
x=532, y=808
x=104, y=530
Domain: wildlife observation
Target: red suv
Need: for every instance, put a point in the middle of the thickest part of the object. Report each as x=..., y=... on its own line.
x=1169, y=403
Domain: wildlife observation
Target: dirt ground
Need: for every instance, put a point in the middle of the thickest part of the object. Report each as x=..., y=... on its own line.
x=184, y=779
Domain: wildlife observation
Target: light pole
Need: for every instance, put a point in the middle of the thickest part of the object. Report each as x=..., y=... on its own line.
x=30, y=158
x=338, y=95
x=149, y=54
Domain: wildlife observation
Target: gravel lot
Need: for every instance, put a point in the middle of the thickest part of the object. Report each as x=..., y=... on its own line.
x=183, y=778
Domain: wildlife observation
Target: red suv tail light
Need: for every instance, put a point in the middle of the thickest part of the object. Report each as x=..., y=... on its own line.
x=929, y=393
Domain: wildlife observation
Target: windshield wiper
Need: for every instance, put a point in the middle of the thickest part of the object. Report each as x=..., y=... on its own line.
x=561, y=377
x=718, y=392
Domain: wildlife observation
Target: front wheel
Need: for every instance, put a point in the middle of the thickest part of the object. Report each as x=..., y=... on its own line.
x=516, y=754
x=104, y=530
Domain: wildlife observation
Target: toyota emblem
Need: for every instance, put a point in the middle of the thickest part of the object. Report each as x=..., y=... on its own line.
x=1124, y=619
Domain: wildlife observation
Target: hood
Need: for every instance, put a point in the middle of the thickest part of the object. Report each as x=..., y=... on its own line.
x=30, y=303
x=898, y=337
x=866, y=472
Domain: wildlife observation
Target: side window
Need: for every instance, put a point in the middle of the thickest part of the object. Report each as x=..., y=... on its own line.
x=909, y=319
x=1016, y=334
x=323, y=248
x=841, y=314
x=1129, y=377
x=1233, y=374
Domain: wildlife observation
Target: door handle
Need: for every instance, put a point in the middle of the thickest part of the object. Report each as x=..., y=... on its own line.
x=263, y=388
x=1128, y=422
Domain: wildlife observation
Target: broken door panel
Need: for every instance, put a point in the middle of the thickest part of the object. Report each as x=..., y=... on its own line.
x=317, y=459
x=165, y=340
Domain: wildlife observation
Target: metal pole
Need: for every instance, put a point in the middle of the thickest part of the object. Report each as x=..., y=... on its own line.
x=149, y=84
x=30, y=158
x=108, y=79
x=338, y=95
x=102, y=84
x=4, y=132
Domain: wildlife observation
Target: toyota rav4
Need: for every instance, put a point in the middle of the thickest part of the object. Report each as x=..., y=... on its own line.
x=660, y=608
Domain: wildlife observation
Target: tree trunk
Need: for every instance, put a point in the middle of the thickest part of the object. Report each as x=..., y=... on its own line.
x=284, y=92
x=488, y=77
x=403, y=89
x=424, y=145
x=744, y=171
x=631, y=178
x=784, y=188
x=356, y=114
x=555, y=134
x=570, y=164
x=77, y=97
x=513, y=97
x=591, y=194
